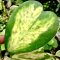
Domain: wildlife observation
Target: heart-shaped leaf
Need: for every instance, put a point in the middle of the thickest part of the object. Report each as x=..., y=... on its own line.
x=29, y=28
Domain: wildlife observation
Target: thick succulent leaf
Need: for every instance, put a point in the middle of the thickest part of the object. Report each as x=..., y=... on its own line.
x=28, y=29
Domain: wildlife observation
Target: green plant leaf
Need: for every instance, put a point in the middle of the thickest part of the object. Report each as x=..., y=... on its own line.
x=47, y=47
x=53, y=43
x=58, y=53
x=2, y=47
